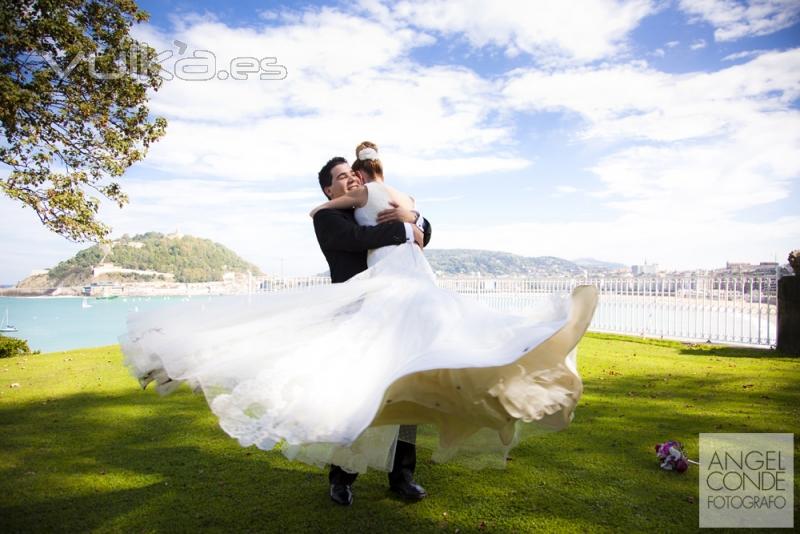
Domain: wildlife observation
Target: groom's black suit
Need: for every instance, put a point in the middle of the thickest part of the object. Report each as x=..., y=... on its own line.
x=345, y=244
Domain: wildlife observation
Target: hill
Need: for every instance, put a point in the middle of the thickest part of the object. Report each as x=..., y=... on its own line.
x=592, y=264
x=145, y=257
x=473, y=262
x=454, y=262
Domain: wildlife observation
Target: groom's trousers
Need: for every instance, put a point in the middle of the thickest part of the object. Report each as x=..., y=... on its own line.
x=405, y=460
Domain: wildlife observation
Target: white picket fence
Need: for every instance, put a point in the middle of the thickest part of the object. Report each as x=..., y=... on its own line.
x=733, y=310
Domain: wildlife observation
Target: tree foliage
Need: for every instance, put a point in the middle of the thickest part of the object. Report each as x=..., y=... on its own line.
x=11, y=346
x=73, y=114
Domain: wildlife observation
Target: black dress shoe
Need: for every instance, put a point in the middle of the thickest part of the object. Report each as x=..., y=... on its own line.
x=408, y=489
x=341, y=494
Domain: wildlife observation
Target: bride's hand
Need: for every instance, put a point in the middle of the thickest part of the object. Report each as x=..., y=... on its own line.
x=396, y=213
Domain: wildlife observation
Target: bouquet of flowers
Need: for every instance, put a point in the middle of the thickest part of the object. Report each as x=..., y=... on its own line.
x=672, y=457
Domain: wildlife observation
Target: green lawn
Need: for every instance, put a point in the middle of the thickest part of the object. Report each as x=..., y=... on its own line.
x=83, y=448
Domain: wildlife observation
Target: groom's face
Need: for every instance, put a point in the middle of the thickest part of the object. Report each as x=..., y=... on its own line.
x=343, y=179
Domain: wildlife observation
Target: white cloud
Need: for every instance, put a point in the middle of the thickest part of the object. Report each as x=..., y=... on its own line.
x=698, y=44
x=550, y=30
x=436, y=200
x=733, y=19
x=629, y=102
x=745, y=54
x=566, y=189
x=672, y=44
x=706, y=181
x=337, y=88
x=710, y=145
x=27, y=244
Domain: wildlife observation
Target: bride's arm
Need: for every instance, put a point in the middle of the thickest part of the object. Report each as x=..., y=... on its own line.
x=357, y=198
x=402, y=208
x=335, y=231
x=407, y=214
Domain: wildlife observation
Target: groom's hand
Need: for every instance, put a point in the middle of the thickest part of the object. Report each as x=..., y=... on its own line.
x=396, y=213
x=419, y=237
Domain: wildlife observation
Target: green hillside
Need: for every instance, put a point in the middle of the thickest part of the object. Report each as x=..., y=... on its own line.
x=452, y=262
x=190, y=259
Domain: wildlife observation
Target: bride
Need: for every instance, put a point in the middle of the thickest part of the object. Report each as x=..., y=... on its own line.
x=328, y=374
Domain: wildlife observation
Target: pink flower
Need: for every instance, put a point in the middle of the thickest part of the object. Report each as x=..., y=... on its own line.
x=672, y=457
x=681, y=465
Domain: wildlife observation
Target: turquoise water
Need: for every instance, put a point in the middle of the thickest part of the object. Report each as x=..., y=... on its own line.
x=51, y=324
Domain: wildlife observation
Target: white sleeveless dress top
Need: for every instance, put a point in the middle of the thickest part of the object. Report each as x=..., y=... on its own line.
x=377, y=201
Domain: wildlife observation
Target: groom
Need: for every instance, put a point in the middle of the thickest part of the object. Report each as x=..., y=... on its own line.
x=345, y=244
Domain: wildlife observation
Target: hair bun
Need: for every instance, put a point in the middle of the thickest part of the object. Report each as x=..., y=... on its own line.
x=365, y=144
x=368, y=159
x=367, y=154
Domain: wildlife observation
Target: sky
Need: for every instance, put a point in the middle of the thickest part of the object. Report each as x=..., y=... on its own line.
x=626, y=131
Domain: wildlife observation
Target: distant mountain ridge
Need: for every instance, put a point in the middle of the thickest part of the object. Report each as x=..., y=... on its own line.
x=145, y=257
x=591, y=263
x=466, y=262
x=490, y=263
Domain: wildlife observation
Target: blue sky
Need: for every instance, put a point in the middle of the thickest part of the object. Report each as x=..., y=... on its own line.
x=625, y=131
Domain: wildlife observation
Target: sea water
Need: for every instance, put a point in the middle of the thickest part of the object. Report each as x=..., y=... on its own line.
x=52, y=324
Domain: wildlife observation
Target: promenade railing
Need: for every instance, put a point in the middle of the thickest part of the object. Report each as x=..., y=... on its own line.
x=735, y=310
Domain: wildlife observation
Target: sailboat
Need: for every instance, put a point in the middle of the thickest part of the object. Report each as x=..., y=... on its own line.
x=85, y=303
x=5, y=327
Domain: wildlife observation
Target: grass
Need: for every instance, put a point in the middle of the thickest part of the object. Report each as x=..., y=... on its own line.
x=82, y=448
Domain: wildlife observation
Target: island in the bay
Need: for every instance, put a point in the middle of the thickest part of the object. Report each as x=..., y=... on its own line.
x=144, y=264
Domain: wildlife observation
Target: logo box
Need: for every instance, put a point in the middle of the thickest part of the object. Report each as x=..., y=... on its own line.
x=746, y=480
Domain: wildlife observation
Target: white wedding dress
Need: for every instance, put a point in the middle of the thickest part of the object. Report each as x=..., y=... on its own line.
x=328, y=374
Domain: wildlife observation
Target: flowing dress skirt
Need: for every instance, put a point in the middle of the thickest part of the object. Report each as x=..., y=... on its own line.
x=328, y=374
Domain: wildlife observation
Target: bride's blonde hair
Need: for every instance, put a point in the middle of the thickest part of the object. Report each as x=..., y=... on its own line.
x=373, y=167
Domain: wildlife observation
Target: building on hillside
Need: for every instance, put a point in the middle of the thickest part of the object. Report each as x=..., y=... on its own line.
x=762, y=268
x=110, y=268
x=640, y=270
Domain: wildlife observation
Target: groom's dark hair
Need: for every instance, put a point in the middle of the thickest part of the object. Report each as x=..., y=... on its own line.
x=325, y=178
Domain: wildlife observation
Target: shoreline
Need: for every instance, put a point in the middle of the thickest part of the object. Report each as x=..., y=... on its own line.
x=182, y=290
x=759, y=351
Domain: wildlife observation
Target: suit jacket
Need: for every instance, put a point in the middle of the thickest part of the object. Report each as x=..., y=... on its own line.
x=345, y=243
